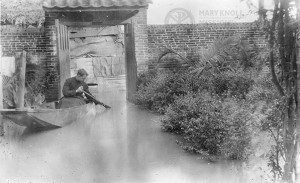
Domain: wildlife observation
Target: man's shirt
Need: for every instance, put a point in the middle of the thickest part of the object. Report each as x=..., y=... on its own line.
x=71, y=85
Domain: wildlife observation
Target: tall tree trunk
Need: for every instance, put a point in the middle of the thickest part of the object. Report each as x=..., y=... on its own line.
x=298, y=91
x=261, y=10
x=286, y=43
x=272, y=40
x=1, y=95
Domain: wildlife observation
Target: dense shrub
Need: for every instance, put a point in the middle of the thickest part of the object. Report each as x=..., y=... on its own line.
x=157, y=94
x=198, y=118
x=209, y=126
x=206, y=103
x=232, y=84
x=35, y=83
x=185, y=108
x=238, y=122
x=145, y=77
x=263, y=88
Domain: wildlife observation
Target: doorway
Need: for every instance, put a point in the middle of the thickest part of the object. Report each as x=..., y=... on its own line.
x=98, y=50
x=105, y=52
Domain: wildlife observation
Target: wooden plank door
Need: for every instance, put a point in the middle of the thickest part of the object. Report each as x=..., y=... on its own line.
x=130, y=59
x=63, y=53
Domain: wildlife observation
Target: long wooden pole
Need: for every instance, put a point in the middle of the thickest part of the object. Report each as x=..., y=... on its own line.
x=131, y=64
x=21, y=82
x=96, y=101
x=1, y=95
x=298, y=92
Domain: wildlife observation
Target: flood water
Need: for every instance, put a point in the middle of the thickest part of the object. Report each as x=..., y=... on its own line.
x=122, y=145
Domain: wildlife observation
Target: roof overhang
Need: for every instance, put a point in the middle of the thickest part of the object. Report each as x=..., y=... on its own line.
x=94, y=9
x=96, y=18
x=83, y=13
x=94, y=5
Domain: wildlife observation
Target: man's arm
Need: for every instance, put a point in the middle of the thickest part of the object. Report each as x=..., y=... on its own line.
x=86, y=89
x=67, y=92
x=92, y=99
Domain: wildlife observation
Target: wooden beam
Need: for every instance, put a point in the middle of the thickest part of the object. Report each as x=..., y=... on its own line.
x=78, y=24
x=93, y=32
x=1, y=80
x=128, y=16
x=298, y=90
x=96, y=24
x=63, y=54
x=130, y=59
x=1, y=95
x=21, y=70
x=80, y=9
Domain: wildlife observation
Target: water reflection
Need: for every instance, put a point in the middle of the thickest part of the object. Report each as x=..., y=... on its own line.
x=122, y=145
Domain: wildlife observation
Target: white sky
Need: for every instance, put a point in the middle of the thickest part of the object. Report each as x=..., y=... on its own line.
x=159, y=8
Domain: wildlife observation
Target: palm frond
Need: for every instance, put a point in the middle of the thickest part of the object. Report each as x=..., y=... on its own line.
x=9, y=90
x=216, y=54
x=8, y=81
x=172, y=59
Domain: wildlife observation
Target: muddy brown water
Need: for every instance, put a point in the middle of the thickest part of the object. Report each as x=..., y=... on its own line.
x=122, y=145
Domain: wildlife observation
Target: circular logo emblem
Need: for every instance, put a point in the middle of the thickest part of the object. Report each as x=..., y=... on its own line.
x=179, y=16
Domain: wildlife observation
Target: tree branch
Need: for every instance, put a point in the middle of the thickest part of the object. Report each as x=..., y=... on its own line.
x=271, y=44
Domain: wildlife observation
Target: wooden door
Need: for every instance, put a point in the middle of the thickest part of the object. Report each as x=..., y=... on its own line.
x=63, y=54
x=130, y=59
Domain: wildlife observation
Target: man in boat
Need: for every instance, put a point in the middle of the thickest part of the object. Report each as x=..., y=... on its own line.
x=74, y=90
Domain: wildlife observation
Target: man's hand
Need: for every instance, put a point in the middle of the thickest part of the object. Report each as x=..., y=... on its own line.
x=80, y=89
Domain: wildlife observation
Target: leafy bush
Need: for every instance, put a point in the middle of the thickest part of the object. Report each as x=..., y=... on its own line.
x=35, y=80
x=198, y=118
x=209, y=126
x=263, y=88
x=145, y=77
x=157, y=94
x=238, y=122
x=232, y=84
x=35, y=84
x=205, y=102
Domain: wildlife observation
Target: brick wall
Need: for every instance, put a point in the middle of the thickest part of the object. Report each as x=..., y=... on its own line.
x=15, y=39
x=52, y=64
x=186, y=38
x=36, y=42
x=141, y=38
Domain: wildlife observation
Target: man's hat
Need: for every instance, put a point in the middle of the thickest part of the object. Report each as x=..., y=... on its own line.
x=82, y=72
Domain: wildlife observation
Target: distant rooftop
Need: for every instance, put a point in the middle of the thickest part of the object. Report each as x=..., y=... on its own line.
x=69, y=4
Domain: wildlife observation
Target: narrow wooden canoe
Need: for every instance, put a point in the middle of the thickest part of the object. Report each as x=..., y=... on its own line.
x=48, y=118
